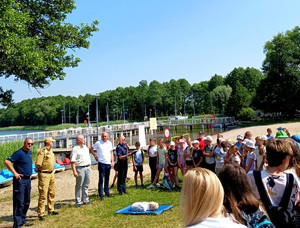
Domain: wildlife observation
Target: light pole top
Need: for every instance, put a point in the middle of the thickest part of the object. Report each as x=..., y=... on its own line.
x=97, y=94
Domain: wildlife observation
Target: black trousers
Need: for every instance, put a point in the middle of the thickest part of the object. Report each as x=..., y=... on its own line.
x=21, y=200
x=122, y=174
x=152, y=164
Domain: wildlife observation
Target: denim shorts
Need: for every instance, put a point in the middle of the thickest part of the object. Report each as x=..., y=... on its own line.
x=160, y=166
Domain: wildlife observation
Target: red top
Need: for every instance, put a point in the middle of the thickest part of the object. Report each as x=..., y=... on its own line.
x=201, y=144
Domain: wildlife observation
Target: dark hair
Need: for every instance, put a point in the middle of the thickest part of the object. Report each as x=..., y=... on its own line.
x=238, y=194
x=277, y=151
x=223, y=144
x=137, y=144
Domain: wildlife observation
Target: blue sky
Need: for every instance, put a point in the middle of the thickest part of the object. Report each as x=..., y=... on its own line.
x=166, y=39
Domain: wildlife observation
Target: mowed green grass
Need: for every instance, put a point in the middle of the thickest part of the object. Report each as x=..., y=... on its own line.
x=101, y=213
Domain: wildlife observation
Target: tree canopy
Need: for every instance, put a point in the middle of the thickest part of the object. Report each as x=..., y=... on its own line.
x=36, y=40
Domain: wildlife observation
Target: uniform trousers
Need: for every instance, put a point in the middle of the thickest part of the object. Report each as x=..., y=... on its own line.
x=122, y=174
x=47, y=191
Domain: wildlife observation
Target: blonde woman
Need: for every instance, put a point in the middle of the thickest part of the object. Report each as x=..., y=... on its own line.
x=202, y=200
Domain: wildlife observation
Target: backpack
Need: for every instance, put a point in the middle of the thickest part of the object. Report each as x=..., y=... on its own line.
x=257, y=219
x=280, y=215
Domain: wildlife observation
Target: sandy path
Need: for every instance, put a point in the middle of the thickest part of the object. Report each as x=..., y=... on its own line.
x=65, y=188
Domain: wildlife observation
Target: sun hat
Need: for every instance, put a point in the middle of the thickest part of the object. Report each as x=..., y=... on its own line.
x=181, y=141
x=201, y=132
x=208, y=138
x=172, y=143
x=281, y=134
x=245, y=140
x=195, y=142
x=49, y=139
x=239, y=137
x=250, y=144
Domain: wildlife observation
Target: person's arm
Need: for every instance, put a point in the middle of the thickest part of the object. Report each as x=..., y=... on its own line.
x=10, y=167
x=201, y=159
x=262, y=163
x=249, y=165
x=147, y=153
x=73, y=164
x=157, y=158
x=133, y=162
x=143, y=157
x=166, y=160
x=93, y=152
x=112, y=158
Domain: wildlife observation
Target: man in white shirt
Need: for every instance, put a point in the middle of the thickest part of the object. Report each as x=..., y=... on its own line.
x=105, y=159
x=81, y=166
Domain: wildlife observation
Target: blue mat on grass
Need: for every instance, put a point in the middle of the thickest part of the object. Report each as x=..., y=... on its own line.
x=161, y=209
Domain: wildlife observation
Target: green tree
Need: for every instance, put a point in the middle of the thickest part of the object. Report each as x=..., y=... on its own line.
x=220, y=96
x=35, y=39
x=215, y=81
x=280, y=90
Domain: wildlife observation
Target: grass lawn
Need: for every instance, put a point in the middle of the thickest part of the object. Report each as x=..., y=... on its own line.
x=101, y=213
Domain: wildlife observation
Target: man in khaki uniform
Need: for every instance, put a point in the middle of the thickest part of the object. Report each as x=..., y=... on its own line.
x=45, y=165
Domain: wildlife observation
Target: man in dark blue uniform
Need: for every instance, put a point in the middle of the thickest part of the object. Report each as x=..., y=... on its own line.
x=20, y=164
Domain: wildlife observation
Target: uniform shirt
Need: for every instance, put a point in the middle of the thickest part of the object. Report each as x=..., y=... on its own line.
x=153, y=151
x=162, y=155
x=138, y=157
x=22, y=161
x=81, y=155
x=103, y=151
x=45, y=159
x=121, y=150
x=219, y=155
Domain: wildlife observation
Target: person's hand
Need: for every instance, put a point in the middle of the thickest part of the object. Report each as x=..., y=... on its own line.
x=18, y=176
x=112, y=165
x=75, y=174
x=96, y=158
x=135, y=168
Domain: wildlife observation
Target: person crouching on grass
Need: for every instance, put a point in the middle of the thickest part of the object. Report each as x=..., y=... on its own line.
x=137, y=161
x=161, y=162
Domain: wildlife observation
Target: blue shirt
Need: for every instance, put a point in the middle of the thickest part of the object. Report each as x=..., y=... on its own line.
x=121, y=150
x=22, y=161
x=138, y=157
x=270, y=136
x=238, y=145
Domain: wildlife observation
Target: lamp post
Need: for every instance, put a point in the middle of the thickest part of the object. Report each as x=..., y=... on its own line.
x=62, y=119
x=150, y=112
x=97, y=115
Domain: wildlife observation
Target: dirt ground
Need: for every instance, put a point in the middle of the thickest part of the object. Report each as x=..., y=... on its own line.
x=65, y=181
x=65, y=193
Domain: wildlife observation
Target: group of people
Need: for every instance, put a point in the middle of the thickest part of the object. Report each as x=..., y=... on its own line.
x=252, y=182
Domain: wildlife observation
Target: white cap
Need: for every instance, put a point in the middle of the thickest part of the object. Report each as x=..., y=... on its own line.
x=208, y=138
x=240, y=137
x=221, y=140
x=264, y=137
x=250, y=144
x=195, y=142
x=245, y=140
x=172, y=143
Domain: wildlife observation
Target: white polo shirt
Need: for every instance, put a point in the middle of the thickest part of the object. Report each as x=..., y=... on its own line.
x=103, y=151
x=81, y=155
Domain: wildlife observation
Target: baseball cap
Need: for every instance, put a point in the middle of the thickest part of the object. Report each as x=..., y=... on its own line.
x=49, y=139
x=281, y=134
x=181, y=141
x=172, y=143
x=201, y=132
x=250, y=144
x=264, y=137
x=296, y=138
x=221, y=139
x=195, y=142
x=208, y=138
x=280, y=128
x=245, y=140
x=240, y=137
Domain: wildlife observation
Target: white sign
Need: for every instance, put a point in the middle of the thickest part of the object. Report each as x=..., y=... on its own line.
x=142, y=136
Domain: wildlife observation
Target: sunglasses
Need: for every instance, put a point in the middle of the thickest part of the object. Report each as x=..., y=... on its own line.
x=30, y=144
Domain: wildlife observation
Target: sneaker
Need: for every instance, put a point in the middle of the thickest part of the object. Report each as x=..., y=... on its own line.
x=78, y=204
x=88, y=203
x=151, y=186
x=41, y=218
x=53, y=213
x=112, y=186
x=157, y=185
x=136, y=185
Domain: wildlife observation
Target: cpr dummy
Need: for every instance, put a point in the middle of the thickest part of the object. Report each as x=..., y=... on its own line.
x=144, y=206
